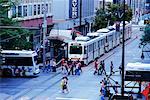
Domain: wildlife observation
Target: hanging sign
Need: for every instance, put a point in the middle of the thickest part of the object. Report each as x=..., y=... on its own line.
x=73, y=9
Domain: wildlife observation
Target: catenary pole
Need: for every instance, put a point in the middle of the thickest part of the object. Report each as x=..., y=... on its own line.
x=44, y=32
x=123, y=50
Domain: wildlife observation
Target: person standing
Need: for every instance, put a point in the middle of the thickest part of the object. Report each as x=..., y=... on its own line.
x=72, y=68
x=96, y=66
x=54, y=65
x=62, y=65
x=48, y=66
x=17, y=71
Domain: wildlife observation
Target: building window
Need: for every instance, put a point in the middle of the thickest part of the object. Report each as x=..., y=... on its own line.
x=42, y=8
x=47, y=8
x=38, y=9
x=14, y=12
x=30, y=10
x=34, y=9
x=19, y=11
x=25, y=10
x=50, y=8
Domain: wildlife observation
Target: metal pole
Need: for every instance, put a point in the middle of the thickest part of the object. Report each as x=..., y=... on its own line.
x=103, y=5
x=80, y=16
x=44, y=33
x=123, y=49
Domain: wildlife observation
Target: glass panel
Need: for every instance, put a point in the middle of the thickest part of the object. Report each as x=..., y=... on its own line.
x=30, y=10
x=24, y=10
x=19, y=11
x=75, y=49
x=38, y=9
x=34, y=9
x=14, y=12
x=18, y=61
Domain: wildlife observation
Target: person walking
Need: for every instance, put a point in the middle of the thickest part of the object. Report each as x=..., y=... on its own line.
x=96, y=66
x=103, y=68
x=100, y=68
x=64, y=84
x=111, y=68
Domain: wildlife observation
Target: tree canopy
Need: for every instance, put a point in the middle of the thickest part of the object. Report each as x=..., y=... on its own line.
x=12, y=38
x=146, y=37
x=109, y=16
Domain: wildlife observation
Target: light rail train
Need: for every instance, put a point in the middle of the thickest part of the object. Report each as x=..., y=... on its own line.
x=88, y=48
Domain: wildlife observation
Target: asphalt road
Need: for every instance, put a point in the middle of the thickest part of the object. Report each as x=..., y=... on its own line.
x=83, y=87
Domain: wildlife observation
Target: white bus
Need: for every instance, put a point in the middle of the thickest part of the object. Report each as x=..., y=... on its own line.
x=19, y=63
x=137, y=72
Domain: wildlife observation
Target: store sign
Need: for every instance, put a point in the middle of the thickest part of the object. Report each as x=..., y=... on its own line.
x=73, y=9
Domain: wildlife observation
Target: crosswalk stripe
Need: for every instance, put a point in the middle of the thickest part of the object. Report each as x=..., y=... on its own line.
x=61, y=98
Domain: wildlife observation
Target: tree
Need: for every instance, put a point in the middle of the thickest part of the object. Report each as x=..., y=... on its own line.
x=100, y=20
x=12, y=38
x=146, y=37
x=113, y=13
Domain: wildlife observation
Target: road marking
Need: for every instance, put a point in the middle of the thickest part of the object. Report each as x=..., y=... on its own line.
x=61, y=98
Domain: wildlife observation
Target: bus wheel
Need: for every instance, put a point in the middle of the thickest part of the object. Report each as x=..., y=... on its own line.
x=7, y=72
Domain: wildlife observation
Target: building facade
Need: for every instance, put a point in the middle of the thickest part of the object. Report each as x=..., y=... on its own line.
x=66, y=14
x=30, y=12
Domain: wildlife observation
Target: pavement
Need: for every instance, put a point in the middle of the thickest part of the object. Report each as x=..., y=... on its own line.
x=81, y=87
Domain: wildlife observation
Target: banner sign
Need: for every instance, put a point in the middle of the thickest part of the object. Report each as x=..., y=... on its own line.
x=73, y=9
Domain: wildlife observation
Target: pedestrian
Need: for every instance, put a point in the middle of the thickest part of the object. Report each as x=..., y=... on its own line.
x=45, y=67
x=77, y=70
x=96, y=66
x=111, y=68
x=100, y=68
x=72, y=68
x=23, y=71
x=80, y=69
x=103, y=68
x=17, y=71
x=64, y=84
x=102, y=90
x=62, y=65
x=66, y=67
x=115, y=87
x=48, y=66
x=54, y=65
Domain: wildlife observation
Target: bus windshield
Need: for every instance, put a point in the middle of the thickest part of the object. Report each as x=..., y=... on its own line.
x=75, y=49
x=18, y=61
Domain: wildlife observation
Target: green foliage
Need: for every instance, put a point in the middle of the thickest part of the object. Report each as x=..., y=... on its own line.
x=12, y=38
x=100, y=20
x=146, y=37
x=113, y=13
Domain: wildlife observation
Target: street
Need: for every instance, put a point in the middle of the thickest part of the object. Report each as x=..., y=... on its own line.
x=84, y=87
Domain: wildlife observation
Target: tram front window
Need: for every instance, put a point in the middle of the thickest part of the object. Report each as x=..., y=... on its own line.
x=75, y=49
